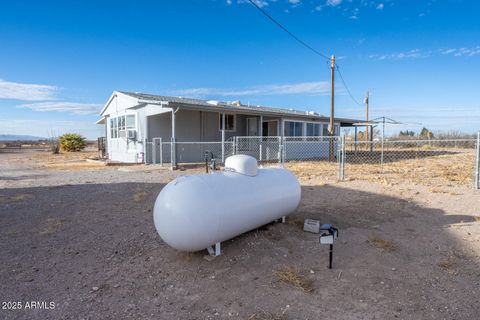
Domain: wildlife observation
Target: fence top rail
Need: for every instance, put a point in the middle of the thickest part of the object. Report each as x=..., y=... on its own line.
x=256, y=137
x=201, y=142
x=312, y=137
x=413, y=141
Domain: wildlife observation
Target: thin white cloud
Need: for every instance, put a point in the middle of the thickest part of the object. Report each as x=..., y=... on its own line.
x=420, y=53
x=380, y=6
x=260, y=3
x=26, y=91
x=462, y=52
x=64, y=106
x=333, y=3
x=314, y=88
x=411, y=54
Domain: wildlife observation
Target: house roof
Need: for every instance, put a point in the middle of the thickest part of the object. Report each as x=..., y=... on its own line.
x=228, y=106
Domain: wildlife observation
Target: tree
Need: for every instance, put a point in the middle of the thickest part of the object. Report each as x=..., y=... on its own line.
x=72, y=142
x=406, y=133
x=426, y=134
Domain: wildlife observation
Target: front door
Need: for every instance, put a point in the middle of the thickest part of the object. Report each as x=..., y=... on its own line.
x=252, y=127
x=270, y=128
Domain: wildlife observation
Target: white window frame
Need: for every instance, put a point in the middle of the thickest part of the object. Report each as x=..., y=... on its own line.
x=322, y=124
x=115, y=118
x=234, y=122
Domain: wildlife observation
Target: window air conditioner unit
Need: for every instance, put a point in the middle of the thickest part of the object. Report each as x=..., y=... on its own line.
x=131, y=134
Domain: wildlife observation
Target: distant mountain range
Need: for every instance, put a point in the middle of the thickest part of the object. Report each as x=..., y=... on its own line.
x=14, y=137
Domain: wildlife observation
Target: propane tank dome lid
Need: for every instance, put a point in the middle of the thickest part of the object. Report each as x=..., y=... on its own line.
x=242, y=164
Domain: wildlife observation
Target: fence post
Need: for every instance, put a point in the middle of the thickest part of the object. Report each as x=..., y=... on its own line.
x=477, y=163
x=223, y=146
x=280, y=151
x=339, y=160
x=381, y=155
x=173, y=155
x=161, y=151
x=144, y=151
x=260, y=156
x=340, y=141
x=154, y=151
x=344, y=156
x=234, y=146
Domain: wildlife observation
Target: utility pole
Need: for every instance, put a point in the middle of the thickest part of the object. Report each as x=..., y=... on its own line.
x=331, y=127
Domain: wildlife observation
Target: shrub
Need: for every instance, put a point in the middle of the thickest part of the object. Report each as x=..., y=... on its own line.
x=72, y=142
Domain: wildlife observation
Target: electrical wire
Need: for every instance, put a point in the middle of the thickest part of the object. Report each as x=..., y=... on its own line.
x=345, y=85
x=306, y=45
x=288, y=31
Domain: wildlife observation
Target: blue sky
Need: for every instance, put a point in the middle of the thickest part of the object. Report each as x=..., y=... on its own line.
x=60, y=60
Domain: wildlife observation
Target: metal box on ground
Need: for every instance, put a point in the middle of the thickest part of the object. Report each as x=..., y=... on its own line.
x=311, y=225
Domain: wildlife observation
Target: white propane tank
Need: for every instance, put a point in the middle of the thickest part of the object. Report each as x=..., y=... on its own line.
x=194, y=212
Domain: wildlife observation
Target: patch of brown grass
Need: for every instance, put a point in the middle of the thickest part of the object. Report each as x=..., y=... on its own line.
x=293, y=277
x=316, y=171
x=296, y=221
x=81, y=165
x=448, y=264
x=139, y=195
x=15, y=198
x=384, y=245
x=51, y=226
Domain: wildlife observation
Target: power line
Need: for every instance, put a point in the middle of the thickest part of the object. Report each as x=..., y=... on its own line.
x=288, y=31
x=346, y=87
x=306, y=45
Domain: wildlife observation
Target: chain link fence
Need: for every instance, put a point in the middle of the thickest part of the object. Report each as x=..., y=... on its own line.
x=264, y=149
x=454, y=160
x=438, y=161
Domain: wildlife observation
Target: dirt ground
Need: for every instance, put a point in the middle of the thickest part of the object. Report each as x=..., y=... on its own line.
x=81, y=235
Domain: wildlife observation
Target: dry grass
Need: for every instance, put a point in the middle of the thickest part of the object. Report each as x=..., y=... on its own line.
x=448, y=264
x=432, y=171
x=47, y=159
x=313, y=170
x=139, y=195
x=51, y=226
x=15, y=198
x=263, y=315
x=81, y=165
x=293, y=277
x=384, y=245
x=296, y=221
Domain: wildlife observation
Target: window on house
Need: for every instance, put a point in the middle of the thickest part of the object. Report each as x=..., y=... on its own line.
x=229, y=122
x=114, y=128
x=313, y=129
x=131, y=121
x=325, y=130
x=119, y=125
x=293, y=129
